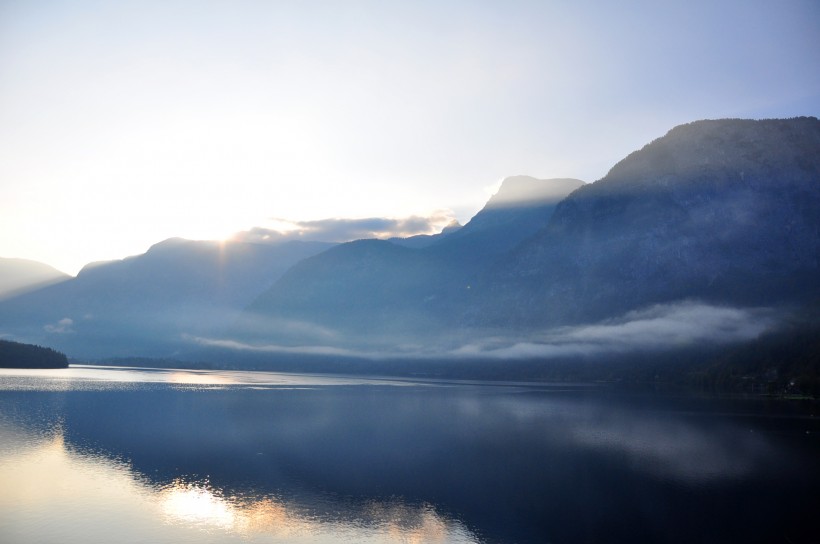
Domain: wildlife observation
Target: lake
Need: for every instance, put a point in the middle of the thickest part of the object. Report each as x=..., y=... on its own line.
x=104, y=454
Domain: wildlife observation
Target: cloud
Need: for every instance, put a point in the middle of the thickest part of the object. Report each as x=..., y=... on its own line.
x=63, y=326
x=275, y=348
x=345, y=230
x=500, y=349
x=654, y=328
x=684, y=323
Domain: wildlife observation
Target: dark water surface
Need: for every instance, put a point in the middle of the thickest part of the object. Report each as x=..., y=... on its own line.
x=134, y=455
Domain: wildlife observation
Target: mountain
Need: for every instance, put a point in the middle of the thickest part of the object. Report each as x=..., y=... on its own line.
x=725, y=211
x=522, y=206
x=390, y=293
x=18, y=276
x=707, y=237
x=147, y=304
x=703, y=230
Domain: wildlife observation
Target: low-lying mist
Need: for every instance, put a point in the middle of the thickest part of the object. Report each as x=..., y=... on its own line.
x=656, y=328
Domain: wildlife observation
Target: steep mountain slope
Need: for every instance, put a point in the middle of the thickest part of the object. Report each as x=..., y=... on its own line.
x=143, y=305
x=723, y=211
x=391, y=294
x=18, y=276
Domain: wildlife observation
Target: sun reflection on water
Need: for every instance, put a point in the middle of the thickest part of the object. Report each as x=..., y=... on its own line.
x=205, y=507
x=195, y=505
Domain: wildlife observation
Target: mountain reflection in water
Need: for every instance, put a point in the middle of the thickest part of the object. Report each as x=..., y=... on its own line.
x=130, y=455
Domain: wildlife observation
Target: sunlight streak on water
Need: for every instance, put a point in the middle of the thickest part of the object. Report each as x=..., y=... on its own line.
x=91, y=377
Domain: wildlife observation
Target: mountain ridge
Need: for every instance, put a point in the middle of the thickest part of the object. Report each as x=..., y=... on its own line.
x=715, y=224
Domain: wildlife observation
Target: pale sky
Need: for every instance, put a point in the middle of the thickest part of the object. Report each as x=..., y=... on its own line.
x=125, y=123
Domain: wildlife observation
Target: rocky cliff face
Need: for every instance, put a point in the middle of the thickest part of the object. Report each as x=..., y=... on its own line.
x=724, y=211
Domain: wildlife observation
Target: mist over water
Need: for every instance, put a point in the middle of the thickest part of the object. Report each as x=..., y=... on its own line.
x=135, y=455
x=653, y=328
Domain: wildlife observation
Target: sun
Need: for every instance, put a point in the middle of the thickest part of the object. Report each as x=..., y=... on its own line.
x=221, y=228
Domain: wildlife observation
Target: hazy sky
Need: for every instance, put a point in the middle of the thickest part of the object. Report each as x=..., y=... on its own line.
x=124, y=123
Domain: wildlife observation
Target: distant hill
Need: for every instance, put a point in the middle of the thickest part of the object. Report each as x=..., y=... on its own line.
x=150, y=303
x=18, y=276
x=17, y=355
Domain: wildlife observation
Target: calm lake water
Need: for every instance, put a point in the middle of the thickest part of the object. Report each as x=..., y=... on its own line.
x=101, y=455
